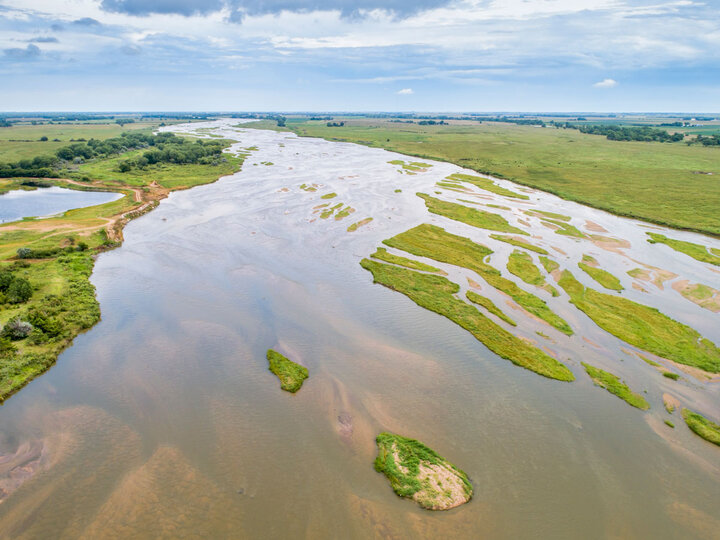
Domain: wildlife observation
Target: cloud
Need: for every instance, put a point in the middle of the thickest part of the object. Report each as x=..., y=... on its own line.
x=606, y=83
x=41, y=39
x=239, y=9
x=130, y=50
x=405, y=91
x=28, y=53
x=86, y=21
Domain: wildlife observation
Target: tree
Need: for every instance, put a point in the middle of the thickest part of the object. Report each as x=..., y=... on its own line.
x=19, y=291
x=16, y=329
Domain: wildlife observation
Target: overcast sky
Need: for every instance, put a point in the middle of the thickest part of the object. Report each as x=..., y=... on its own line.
x=368, y=55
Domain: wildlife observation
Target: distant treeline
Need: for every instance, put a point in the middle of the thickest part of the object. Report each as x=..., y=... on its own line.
x=712, y=140
x=165, y=147
x=624, y=133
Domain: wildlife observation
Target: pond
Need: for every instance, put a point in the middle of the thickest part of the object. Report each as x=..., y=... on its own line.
x=43, y=202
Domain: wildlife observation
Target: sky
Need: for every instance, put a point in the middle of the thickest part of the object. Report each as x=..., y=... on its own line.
x=365, y=55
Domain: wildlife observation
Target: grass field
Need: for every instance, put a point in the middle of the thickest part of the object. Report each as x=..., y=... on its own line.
x=614, y=385
x=657, y=182
x=22, y=141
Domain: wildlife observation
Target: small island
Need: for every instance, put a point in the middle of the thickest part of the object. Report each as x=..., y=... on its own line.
x=291, y=375
x=419, y=473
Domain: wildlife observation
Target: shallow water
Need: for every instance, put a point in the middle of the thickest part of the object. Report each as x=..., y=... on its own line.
x=17, y=204
x=164, y=421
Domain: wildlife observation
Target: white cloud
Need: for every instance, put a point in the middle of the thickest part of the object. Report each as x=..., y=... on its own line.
x=405, y=91
x=606, y=83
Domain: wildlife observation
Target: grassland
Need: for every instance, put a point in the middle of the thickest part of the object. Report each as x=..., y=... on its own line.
x=520, y=264
x=548, y=264
x=653, y=181
x=544, y=214
x=643, y=326
x=615, y=386
x=63, y=302
x=590, y=266
x=470, y=216
x=435, y=243
x=291, y=375
x=696, y=251
x=382, y=254
x=419, y=473
x=355, y=226
x=519, y=242
x=701, y=426
x=437, y=294
x=488, y=304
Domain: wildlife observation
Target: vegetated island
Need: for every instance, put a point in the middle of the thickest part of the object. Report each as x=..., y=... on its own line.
x=614, y=385
x=55, y=255
x=419, y=473
x=701, y=426
x=291, y=375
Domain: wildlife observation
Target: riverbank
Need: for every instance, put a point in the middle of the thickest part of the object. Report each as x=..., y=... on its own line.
x=57, y=254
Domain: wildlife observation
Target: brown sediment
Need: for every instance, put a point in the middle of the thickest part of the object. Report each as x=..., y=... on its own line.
x=437, y=478
x=709, y=299
x=697, y=373
x=18, y=466
x=591, y=342
x=550, y=352
x=560, y=251
x=627, y=351
x=608, y=243
x=651, y=274
x=638, y=287
x=474, y=284
x=283, y=190
x=671, y=402
x=526, y=223
x=594, y=227
x=701, y=523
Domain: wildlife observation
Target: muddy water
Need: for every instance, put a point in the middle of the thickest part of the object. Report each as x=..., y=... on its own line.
x=18, y=204
x=164, y=421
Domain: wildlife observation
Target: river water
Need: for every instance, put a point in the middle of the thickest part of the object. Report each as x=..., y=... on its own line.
x=163, y=420
x=17, y=204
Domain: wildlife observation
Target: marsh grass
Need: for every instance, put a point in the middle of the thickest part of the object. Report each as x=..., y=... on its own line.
x=519, y=242
x=603, y=277
x=470, y=216
x=615, y=386
x=487, y=185
x=435, y=243
x=488, y=304
x=291, y=375
x=701, y=426
x=520, y=264
x=383, y=255
x=642, y=326
x=696, y=251
x=437, y=294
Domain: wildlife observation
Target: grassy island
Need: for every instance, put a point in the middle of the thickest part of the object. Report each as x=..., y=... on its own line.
x=643, y=326
x=419, y=473
x=487, y=185
x=519, y=242
x=520, y=264
x=590, y=266
x=470, y=216
x=437, y=294
x=696, y=251
x=701, y=426
x=382, y=254
x=291, y=375
x=614, y=385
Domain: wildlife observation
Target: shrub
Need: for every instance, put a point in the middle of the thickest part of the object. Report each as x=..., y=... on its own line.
x=24, y=252
x=19, y=291
x=16, y=329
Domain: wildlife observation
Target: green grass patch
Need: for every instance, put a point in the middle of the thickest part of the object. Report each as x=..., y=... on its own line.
x=671, y=375
x=329, y=196
x=544, y=214
x=291, y=375
x=669, y=424
x=437, y=294
x=520, y=264
x=701, y=426
x=435, y=243
x=549, y=265
x=488, y=304
x=383, y=255
x=355, y=226
x=696, y=251
x=487, y=185
x=519, y=242
x=614, y=385
x=603, y=277
x=330, y=211
x=565, y=229
x=470, y=216
x=419, y=473
x=645, y=359
x=643, y=327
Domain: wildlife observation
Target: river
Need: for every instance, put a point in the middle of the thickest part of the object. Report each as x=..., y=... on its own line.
x=163, y=420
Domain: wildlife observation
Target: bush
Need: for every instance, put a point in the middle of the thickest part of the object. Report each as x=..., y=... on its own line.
x=19, y=291
x=6, y=347
x=24, y=252
x=16, y=329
